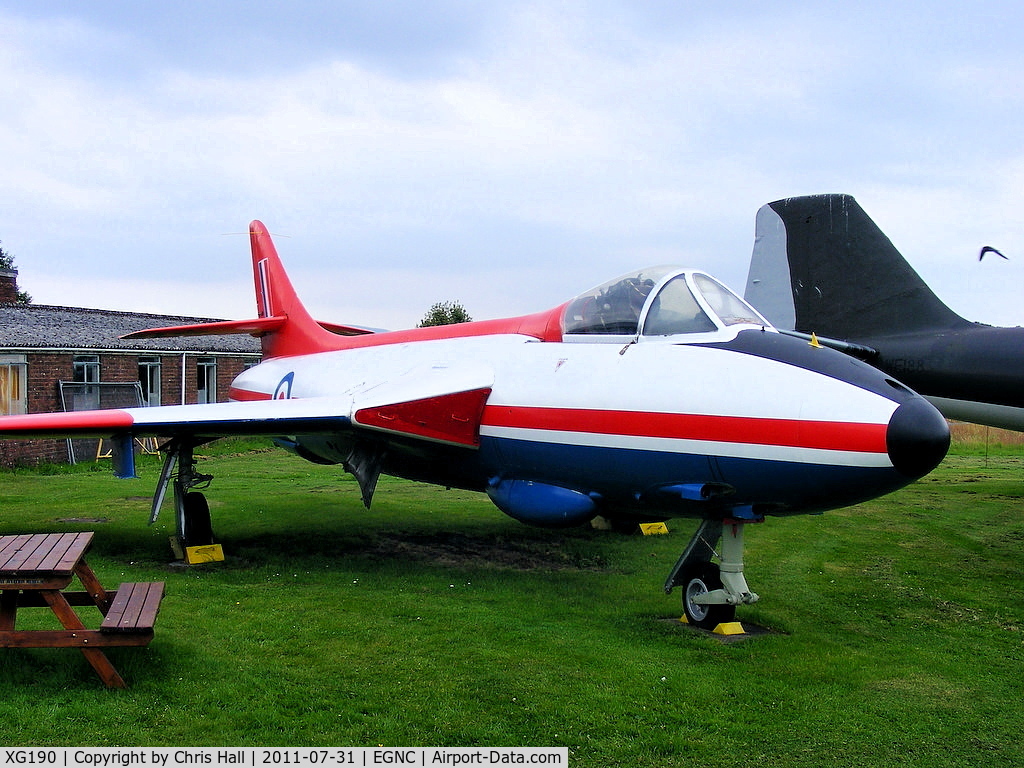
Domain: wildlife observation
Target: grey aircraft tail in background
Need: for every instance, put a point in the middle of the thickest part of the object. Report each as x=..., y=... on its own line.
x=821, y=266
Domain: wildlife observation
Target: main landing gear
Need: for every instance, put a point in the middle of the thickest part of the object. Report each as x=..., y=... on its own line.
x=711, y=592
x=191, y=510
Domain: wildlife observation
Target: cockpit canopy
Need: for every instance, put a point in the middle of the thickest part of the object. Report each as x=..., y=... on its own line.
x=656, y=302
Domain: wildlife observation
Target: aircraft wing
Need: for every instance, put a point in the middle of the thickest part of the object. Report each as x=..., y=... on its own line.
x=440, y=404
x=264, y=417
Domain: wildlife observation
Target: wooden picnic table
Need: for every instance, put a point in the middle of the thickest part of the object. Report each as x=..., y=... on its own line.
x=36, y=569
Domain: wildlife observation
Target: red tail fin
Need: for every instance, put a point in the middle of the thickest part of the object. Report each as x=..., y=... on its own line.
x=276, y=298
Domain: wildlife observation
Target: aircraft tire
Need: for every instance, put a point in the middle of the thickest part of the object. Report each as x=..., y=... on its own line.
x=197, y=529
x=701, y=578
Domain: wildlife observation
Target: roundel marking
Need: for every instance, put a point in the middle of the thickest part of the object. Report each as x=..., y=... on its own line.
x=284, y=387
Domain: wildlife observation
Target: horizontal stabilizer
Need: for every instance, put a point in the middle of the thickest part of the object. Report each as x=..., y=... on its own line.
x=254, y=327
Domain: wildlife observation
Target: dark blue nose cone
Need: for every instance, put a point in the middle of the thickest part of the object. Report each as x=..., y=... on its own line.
x=917, y=438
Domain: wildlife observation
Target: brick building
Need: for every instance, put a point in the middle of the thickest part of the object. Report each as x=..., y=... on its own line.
x=67, y=358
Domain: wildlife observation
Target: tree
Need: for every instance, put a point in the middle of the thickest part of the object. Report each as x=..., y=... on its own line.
x=7, y=262
x=445, y=313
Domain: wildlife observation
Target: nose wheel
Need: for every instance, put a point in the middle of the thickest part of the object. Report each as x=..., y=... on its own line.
x=701, y=580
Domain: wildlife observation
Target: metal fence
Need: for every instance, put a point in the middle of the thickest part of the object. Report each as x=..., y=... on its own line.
x=91, y=396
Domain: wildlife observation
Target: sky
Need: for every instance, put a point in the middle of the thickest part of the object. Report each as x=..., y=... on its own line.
x=507, y=156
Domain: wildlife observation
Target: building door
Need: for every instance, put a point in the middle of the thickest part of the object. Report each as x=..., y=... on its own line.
x=206, y=380
x=12, y=384
x=149, y=378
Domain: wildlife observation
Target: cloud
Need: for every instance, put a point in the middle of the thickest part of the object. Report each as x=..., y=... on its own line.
x=515, y=157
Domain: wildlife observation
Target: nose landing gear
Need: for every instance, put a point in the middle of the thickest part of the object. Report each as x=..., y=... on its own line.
x=711, y=592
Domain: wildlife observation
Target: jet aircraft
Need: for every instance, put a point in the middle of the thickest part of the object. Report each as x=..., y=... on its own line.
x=658, y=394
x=821, y=266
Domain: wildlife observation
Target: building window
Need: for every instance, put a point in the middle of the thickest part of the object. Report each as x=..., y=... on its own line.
x=86, y=369
x=13, y=375
x=149, y=378
x=206, y=380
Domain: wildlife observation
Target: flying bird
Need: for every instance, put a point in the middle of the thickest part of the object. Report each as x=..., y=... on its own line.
x=990, y=249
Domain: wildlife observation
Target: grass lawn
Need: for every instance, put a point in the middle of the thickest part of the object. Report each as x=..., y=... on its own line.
x=898, y=625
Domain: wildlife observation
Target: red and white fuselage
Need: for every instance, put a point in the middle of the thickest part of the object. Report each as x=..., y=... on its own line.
x=615, y=424
x=657, y=394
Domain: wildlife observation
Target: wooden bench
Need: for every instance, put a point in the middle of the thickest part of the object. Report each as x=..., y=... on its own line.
x=134, y=608
x=35, y=570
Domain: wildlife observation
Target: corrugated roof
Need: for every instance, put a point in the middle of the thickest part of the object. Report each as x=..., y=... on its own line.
x=35, y=326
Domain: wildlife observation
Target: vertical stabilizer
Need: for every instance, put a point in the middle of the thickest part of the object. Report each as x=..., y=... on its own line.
x=821, y=265
x=275, y=297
